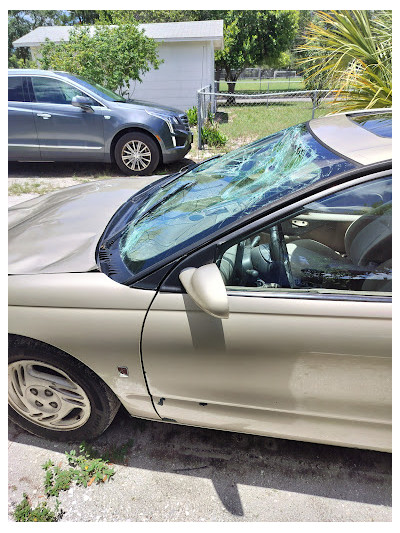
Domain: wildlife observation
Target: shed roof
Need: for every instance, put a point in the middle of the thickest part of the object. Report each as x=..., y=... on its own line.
x=202, y=30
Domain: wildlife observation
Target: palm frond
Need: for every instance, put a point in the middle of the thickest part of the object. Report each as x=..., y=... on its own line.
x=352, y=52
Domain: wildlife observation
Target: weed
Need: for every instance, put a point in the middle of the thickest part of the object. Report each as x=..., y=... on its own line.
x=87, y=449
x=115, y=454
x=85, y=469
x=31, y=187
x=42, y=513
x=118, y=454
x=56, y=479
x=212, y=136
x=192, y=116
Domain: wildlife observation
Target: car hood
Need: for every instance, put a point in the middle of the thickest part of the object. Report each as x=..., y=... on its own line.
x=148, y=106
x=59, y=232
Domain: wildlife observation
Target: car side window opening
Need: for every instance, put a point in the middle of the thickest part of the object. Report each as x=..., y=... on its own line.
x=15, y=89
x=340, y=242
x=54, y=91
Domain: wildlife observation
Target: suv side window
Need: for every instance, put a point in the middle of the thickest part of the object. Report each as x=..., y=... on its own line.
x=342, y=242
x=54, y=91
x=16, y=89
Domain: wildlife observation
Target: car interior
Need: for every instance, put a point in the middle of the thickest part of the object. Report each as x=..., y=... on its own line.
x=331, y=248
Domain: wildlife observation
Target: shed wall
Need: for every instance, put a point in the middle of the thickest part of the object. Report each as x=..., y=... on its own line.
x=187, y=67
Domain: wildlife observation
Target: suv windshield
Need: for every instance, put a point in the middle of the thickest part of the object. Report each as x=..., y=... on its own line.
x=220, y=191
x=107, y=94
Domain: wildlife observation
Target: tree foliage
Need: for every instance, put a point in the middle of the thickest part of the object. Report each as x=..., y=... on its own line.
x=22, y=22
x=250, y=38
x=149, y=16
x=110, y=55
x=350, y=51
x=253, y=38
x=89, y=16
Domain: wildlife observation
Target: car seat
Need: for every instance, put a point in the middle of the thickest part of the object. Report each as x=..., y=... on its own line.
x=368, y=245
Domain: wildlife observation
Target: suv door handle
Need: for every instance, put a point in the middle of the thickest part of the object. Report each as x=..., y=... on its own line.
x=44, y=116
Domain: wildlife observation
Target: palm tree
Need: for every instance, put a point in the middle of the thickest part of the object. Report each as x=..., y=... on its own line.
x=352, y=52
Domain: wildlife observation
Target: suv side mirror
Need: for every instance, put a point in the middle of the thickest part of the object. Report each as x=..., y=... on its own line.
x=83, y=102
x=207, y=288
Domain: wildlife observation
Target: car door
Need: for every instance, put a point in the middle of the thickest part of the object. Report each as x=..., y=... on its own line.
x=22, y=135
x=66, y=132
x=310, y=361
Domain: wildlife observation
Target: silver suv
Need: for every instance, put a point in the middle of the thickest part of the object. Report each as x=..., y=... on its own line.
x=55, y=116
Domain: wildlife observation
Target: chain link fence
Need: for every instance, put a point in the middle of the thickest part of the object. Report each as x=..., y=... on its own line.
x=256, y=72
x=253, y=108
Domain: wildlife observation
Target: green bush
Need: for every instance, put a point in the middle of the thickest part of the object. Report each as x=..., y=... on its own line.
x=211, y=135
x=192, y=116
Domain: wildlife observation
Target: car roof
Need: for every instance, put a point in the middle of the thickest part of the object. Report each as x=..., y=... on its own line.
x=34, y=71
x=360, y=136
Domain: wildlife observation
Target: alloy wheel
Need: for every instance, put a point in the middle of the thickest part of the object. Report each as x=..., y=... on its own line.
x=136, y=155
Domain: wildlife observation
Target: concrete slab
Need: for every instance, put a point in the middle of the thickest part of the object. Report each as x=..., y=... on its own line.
x=182, y=474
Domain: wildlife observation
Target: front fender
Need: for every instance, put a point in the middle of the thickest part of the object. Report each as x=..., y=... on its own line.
x=91, y=318
x=113, y=129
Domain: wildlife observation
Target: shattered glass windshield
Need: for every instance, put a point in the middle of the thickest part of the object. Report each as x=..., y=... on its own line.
x=222, y=190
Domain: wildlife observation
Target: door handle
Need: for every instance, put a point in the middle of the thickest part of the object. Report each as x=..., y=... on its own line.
x=44, y=116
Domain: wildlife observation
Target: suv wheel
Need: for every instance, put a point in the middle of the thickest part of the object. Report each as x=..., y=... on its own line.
x=137, y=154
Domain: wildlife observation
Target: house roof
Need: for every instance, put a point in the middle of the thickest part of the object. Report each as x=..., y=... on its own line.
x=202, y=30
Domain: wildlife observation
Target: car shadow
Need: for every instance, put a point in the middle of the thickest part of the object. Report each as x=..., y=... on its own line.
x=233, y=459
x=81, y=170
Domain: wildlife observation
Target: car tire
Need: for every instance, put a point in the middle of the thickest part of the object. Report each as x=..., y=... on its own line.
x=137, y=154
x=55, y=396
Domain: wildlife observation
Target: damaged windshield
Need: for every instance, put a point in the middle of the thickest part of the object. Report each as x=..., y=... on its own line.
x=222, y=190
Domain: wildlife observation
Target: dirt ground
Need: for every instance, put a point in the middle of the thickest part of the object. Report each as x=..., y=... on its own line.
x=28, y=180
x=175, y=473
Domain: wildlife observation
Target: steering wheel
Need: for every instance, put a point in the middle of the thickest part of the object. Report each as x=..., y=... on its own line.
x=280, y=254
x=238, y=264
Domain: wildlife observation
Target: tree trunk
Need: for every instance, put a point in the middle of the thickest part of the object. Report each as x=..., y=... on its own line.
x=217, y=78
x=231, y=89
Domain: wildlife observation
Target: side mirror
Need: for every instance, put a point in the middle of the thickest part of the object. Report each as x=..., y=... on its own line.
x=83, y=102
x=206, y=287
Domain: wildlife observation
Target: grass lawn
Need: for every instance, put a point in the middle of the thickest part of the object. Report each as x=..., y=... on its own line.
x=256, y=121
x=271, y=85
x=243, y=124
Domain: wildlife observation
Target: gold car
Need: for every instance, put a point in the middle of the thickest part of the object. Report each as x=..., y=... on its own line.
x=249, y=293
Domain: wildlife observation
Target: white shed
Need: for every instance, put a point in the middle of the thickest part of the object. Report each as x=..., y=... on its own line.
x=187, y=49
